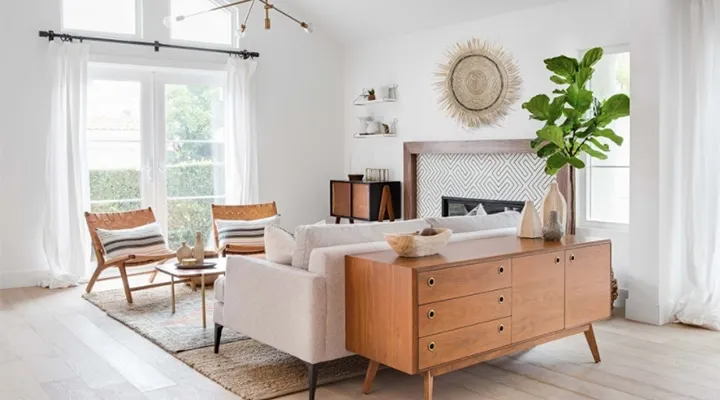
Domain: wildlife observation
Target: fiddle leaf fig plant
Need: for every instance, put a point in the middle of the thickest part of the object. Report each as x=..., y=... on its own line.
x=576, y=122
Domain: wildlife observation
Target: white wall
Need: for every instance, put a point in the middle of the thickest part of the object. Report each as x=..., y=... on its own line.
x=298, y=80
x=411, y=60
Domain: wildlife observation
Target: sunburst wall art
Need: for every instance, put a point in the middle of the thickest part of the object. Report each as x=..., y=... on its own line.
x=478, y=82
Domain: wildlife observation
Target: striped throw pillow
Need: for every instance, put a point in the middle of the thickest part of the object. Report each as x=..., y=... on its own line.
x=242, y=232
x=144, y=240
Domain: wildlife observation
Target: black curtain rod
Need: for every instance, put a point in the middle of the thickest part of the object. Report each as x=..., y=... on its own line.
x=157, y=45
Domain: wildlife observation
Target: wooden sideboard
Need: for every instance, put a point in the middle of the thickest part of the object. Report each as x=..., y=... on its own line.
x=475, y=301
x=365, y=201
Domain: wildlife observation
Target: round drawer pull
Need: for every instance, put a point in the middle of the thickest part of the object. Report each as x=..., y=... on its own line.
x=431, y=346
x=501, y=328
x=501, y=299
x=501, y=270
x=431, y=282
x=572, y=257
x=431, y=314
x=557, y=260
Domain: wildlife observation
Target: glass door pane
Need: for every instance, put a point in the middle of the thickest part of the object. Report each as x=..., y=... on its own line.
x=194, y=159
x=114, y=145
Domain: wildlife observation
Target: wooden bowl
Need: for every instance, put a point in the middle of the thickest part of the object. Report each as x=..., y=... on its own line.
x=414, y=245
x=355, y=177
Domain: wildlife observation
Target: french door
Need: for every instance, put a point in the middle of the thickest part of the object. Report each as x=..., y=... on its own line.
x=155, y=138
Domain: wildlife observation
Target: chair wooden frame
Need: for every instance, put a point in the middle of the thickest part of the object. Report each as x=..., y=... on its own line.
x=246, y=213
x=123, y=220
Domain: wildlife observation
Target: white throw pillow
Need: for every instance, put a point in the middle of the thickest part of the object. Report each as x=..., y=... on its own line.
x=279, y=245
x=144, y=240
x=310, y=237
x=242, y=232
x=507, y=219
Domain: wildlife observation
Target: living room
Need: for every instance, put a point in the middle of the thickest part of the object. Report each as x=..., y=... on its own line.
x=197, y=196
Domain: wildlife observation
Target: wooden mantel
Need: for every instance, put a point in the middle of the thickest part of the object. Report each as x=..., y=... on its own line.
x=412, y=149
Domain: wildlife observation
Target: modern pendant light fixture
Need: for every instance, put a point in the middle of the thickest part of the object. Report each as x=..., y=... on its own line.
x=169, y=21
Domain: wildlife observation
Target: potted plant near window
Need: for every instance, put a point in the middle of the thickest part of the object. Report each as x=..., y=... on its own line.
x=576, y=123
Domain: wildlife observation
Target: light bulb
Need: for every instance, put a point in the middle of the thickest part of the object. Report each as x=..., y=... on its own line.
x=241, y=32
x=308, y=28
x=170, y=20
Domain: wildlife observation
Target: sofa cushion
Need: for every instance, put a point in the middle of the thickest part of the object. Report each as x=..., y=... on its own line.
x=310, y=237
x=462, y=224
x=279, y=245
x=219, y=287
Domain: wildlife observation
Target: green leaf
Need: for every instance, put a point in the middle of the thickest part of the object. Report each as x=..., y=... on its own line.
x=547, y=150
x=576, y=162
x=599, y=144
x=610, y=134
x=559, y=91
x=591, y=57
x=587, y=132
x=536, y=142
x=579, y=98
x=570, y=113
x=594, y=153
x=538, y=107
x=564, y=66
x=583, y=76
x=556, y=161
x=559, y=80
x=556, y=109
x=552, y=134
x=617, y=106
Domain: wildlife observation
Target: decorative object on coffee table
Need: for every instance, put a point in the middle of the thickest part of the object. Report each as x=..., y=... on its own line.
x=530, y=226
x=183, y=252
x=199, y=249
x=419, y=244
x=553, y=229
x=478, y=83
x=554, y=201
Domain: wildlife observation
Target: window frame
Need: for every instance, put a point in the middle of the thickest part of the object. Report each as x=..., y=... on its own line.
x=153, y=140
x=139, y=18
x=234, y=26
x=583, y=177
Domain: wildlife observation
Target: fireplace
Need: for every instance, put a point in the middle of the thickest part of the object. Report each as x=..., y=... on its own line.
x=455, y=206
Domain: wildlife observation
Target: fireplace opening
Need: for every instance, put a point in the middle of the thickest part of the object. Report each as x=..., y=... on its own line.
x=457, y=206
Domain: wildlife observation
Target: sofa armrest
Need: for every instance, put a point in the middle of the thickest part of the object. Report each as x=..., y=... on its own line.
x=281, y=306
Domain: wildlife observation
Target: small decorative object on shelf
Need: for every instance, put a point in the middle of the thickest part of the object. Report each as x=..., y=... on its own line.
x=530, y=226
x=199, y=250
x=377, y=174
x=553, y=229
x=420, y=244
x=183, y=252
x=372, y=128
x=386, y=94
x=355, y=177
x=371, y=95
x=554, y=201
x=392, y=92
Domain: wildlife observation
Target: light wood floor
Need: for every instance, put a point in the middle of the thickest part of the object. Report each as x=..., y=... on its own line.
x=54, y=345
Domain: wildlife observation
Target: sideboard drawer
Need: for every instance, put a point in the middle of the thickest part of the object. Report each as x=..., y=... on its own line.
x=449, y=346
x=462, y=281
x=447, y=315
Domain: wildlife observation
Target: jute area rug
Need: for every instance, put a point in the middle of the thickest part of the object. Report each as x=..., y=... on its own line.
x=246, y=367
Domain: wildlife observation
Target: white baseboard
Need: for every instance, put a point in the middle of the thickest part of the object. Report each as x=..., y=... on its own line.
x=18, y=279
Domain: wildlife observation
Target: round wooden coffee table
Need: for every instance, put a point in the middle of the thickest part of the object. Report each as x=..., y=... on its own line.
x=185, y=275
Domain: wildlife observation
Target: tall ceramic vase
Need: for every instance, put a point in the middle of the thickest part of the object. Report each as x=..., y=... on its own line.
x=530, y=226
x=199, y=249
x=554, y=201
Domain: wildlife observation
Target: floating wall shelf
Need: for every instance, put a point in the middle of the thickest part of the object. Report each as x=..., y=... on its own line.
x=375, y=135
x=369, y=102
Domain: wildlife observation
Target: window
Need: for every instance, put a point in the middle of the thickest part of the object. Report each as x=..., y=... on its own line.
x=156, y=139
x=605, y=184
x=214, y=27
x=111, y=16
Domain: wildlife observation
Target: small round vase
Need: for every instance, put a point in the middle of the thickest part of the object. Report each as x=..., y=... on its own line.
x=553, y=230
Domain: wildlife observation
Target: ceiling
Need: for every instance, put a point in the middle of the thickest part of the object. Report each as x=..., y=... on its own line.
x=360, y=20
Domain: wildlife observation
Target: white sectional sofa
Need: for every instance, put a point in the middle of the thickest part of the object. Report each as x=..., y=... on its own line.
x=300, y=308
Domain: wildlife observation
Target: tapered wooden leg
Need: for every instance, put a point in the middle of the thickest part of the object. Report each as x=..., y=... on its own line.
x=337, y=220
x=152, y=277
x=202, y=285
x=390, y=210
x=172, y=292
x=94, y=278
x=370, y=376
x=218, y=334
x=126, y=284
x=590, y=337
x=429, y=382
x=312, y=380
x=383, y=205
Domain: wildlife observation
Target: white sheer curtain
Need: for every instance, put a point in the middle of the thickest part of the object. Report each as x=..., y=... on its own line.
x=66, y=241
x=241, y=137
x=689, y=156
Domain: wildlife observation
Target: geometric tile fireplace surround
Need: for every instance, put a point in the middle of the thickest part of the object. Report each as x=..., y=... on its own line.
x=486, y=169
